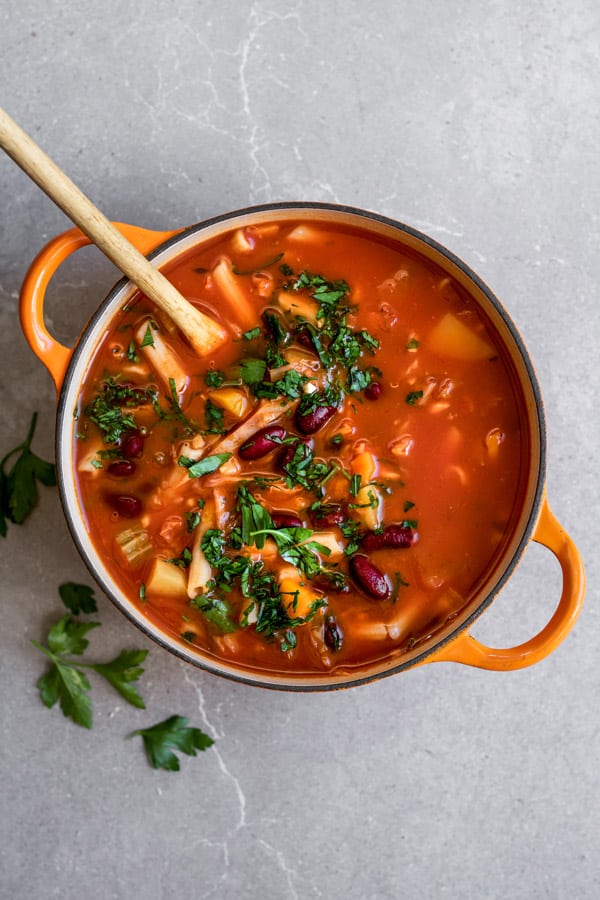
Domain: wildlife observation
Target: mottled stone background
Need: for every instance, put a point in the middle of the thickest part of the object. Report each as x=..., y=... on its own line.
x=476, y=122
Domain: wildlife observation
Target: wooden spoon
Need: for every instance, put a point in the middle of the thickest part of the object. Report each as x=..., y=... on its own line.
x=203, y=333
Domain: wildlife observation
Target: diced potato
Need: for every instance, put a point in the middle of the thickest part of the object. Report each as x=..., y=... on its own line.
x=135, y=545
x=365, y=465
x=232, y=400
x=451, y=337
x=303, y=307
x=297, y=598
x=166, y=580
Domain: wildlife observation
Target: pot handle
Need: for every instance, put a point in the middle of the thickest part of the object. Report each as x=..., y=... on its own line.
x=51, y=352
x=469, y=651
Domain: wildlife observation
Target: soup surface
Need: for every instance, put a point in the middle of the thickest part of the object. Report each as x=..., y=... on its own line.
x=331, y=484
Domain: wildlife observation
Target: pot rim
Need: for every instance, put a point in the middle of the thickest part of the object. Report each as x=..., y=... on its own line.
x=305, y=682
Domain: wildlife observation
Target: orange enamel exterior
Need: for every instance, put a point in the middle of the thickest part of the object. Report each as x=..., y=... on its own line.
x=460, y=647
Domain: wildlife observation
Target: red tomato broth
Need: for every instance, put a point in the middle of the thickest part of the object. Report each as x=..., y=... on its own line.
x=452, y=456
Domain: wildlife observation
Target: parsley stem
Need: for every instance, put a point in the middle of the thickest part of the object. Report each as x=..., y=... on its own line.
x=25, y=444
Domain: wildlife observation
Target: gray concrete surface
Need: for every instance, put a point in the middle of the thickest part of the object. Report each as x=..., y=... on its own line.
x=476, y=122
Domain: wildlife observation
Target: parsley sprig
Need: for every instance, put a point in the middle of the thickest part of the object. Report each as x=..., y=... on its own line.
x=19, y=486
x=66, y=682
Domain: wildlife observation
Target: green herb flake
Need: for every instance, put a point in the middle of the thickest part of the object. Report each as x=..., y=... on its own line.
x=214, y=378
x=413, y=397
x=413, y=344
x=252, y=334
x=147, y=340
x=408, y=505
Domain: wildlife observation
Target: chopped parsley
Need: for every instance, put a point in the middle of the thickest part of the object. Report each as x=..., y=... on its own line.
x=413, y=397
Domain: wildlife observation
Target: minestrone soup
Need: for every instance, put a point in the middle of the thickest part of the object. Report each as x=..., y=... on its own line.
x=329, y=486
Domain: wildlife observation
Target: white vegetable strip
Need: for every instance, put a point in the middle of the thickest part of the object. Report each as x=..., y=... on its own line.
x=233, y=293
x=200, y=572
x=265, y=414
x=162, y=359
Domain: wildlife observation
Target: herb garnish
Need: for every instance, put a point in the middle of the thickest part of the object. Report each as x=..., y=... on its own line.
x=107, y=409
x=66, y=683
x=197, y=468
x=171, y=734
x=18, y=487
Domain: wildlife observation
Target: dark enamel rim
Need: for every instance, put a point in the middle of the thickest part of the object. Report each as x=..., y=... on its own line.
x=351, y=681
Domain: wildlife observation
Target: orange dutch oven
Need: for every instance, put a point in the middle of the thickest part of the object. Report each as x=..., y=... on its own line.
x=535, y=521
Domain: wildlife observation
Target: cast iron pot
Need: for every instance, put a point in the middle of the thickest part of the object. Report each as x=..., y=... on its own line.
x=535, y=521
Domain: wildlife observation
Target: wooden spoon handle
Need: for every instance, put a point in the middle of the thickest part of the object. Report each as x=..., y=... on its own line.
x=204, y=333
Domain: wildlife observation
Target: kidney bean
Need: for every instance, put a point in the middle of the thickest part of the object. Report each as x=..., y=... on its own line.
x=311, y=422
x=262, y=442
x=127, y=506
x=122, y=468
x=373, y=391
x=132, y=445
x=328, y=514
x=286, y=520
x=400, y=536
x=332, y=634
x=369, y=578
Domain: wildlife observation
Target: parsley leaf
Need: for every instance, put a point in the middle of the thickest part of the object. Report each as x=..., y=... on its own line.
x=203, y=466
x=18, y=487
x=252, y=334
x=77, y=597
x=121, y=671
x=215, y=610
x=171, y=734
x=413, y=396
x=252, y=371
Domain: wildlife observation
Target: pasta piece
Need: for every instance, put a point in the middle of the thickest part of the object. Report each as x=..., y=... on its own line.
x=163, y=360
x=266, y=413
x=232, y=292
x=200, y=571
x=90, y=461
x=305, y=234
